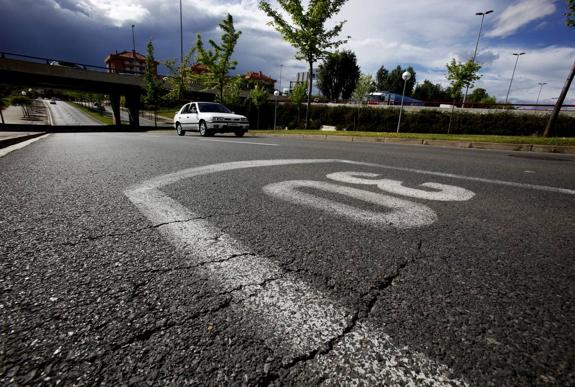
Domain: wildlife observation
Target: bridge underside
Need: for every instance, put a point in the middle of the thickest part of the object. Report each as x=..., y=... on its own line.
x=16, y=72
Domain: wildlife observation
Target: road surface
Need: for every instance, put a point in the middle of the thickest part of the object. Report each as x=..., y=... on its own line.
x=149, y=258
x=66, y=114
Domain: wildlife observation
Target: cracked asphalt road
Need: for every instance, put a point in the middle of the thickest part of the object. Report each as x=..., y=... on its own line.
x=276, y=292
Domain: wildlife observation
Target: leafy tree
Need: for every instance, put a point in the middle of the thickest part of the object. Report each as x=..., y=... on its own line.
x=181, y=78
x=481, y=96
x=393, y=81
x=232, y=91
x=338, y=75
x=570, y=21
x=365, y=85
x=297, y=97
x=150, y=82
x=258, y=96
x=428, y=91
x=380, y=78
x=306, y=31
x=218, y=60
x=462, y=75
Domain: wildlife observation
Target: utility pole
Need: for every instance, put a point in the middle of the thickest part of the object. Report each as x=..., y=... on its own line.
x=553, y=119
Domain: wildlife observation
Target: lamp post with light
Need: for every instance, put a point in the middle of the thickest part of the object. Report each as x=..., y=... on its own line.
x=406, y=76
x=482, y=14
x=513, y=74
x=541, y=84
x=276, y=94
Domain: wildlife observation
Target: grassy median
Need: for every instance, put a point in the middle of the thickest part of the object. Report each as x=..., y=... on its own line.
x=102, y=117
x=535, y=140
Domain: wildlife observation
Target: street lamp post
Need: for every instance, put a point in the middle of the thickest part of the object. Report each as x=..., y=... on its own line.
x=281, y=68
x=406, y=77
x=513, y=74
x=541, y=84
x=133, y=39
x=482, y=14
x=276, y=93
x=181, y=36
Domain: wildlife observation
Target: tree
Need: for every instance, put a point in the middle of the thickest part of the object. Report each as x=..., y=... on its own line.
x=570, y=21
x=306, y=31
x=150, y=82
x=232, y=91
x=428, y=91
x=393, y=81
x=380, y=78
x=365, y=85
x=297, y=96
x=181, y=78
x=338, y=75
x=462, y=75
x=481, y=96
x=258, y=96
x=218, y=60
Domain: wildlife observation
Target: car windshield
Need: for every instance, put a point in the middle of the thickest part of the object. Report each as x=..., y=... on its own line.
x=213, y=108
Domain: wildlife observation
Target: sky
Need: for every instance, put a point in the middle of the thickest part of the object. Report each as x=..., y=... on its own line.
x=424, y=34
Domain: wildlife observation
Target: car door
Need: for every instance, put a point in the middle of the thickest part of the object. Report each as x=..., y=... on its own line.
x=184, y=117
x=194, y=120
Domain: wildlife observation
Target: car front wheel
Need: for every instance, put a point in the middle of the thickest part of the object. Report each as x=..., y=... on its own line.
x=204, y=130
x=179, y=130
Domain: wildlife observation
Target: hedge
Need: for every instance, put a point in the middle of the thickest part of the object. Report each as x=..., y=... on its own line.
x=372, y=119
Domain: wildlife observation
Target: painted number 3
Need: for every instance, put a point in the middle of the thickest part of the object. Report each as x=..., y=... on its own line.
x=403, y=214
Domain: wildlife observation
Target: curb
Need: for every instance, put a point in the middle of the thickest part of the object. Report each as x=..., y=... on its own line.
x=6, y=142
x=437, y=143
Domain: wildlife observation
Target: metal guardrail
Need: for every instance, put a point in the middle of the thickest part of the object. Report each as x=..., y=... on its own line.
x=53, y=62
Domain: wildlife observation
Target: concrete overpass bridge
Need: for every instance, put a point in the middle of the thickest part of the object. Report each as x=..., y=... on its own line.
x=32, y=71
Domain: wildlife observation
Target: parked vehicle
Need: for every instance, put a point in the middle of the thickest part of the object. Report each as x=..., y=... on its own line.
x=67, y=64
x=209, y=118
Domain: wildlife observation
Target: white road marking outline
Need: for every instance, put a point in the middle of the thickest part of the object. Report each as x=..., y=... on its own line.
x=237, y=142
x=294, y=319
x=405, y=214
x=20, y=145
x=444, y=193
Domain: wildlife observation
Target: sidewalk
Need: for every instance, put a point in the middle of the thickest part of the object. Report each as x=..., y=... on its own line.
x=11, y=138
x=38, y=114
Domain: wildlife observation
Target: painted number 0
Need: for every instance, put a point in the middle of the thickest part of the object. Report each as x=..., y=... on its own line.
x=403, y=214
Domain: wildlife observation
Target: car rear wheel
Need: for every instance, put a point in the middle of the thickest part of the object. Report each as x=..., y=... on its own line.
x=239, y=133
x=204, y=130
x=179, y=130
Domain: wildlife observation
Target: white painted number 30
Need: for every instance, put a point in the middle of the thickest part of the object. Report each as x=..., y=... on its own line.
x=403, y=214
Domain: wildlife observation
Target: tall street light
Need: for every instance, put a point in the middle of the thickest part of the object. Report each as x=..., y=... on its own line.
x=281, y=68
x=276, y=93
x=133, y=39
x=181, y=36
x=513, y=74
x=541, y=84
x=406, y=77
x=482, y=14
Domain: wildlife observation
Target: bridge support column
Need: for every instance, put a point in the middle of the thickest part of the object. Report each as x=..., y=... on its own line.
x=115, y=102
x=133, y=105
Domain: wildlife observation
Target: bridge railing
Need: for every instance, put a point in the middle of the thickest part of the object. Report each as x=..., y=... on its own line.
x=53, y=62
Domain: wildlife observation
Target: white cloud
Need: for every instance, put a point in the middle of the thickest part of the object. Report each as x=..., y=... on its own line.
x=519, y=14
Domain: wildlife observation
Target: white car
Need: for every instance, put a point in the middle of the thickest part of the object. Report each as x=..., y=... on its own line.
x=209, y=118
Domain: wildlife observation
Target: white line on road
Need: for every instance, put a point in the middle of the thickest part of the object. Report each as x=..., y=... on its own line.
x=238, y=142
x=294, y=319
x=8, y=149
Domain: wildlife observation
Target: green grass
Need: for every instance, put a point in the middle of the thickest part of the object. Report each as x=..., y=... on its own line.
x=103, y=118
x=168, y=112
x=430, y=136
